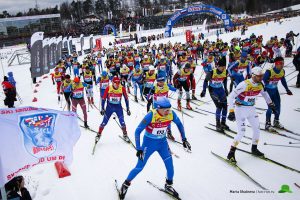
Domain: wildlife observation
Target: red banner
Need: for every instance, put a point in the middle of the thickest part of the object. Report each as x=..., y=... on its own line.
x=188, y=36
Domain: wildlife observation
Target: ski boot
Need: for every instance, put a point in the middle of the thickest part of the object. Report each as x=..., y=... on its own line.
x=169, y=189
x=256, y=152
x=86, y=125
x=169, y=135
x=142, y=98
x=194, y=97
x=277, y=124
x=224, y=126
x=219, y=127
x=123, y=189
x=135, y=99
x=188, y=106
x=98, y=136
x=125, y=136
x=231, y=155
x=268, y=125
x=179, y=105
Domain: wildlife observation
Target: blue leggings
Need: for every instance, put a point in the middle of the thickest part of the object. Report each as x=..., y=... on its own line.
x=110, y=109
x=237, y=78
x=76, y=72
x=218, y=96
x=149, y=147
x=275, y=96
x=135, y=86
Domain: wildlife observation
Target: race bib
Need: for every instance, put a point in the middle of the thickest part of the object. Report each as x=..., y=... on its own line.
x=78, y=94
x=115, y=100
x=159, y=131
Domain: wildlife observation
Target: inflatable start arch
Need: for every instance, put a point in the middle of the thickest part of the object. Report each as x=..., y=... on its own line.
x=196, y=10
x=109, y=26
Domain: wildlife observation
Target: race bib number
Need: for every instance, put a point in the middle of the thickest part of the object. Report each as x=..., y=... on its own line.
x=58, y=79
x=78, y=94
x=114, y=100
x=104, y=85
x=159, y=131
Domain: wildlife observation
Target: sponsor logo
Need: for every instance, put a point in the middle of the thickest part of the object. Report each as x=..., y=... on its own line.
x=38, y=130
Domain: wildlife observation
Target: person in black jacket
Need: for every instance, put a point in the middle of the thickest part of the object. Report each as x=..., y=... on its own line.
x=296, y=62
x=15, y=189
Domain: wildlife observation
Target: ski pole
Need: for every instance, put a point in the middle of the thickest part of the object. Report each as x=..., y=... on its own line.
x=281, y=145
x=290, y=73
x=292, y=78
x=294, y=142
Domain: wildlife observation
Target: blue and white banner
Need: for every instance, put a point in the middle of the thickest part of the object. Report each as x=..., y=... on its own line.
x=196, y=9
x=31, y=136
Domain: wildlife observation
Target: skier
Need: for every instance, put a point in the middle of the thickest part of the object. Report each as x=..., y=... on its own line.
x=76, y=65
x=296, y=62
x=244, y=96
x=124, y=74
x=218, y=91
x=113, y=94
x=88, y=79
x=137, y=81
x=104, y=82
x=77, y=96
x=148, y=80
x=66, y=90
x=10, y=93
x=271, y=78
x=236, y=70
x=57, y=78
x=182, y=80
x=156, y=123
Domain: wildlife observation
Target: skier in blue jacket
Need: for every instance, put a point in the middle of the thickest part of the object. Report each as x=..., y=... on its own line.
x=156, y=123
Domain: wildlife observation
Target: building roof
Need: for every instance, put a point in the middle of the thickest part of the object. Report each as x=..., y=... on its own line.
x=29, y=17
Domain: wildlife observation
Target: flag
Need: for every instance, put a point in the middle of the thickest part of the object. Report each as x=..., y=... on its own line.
x=36, y=52
x=31, y=136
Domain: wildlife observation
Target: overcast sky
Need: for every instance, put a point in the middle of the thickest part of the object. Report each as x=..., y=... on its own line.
x=14, y=6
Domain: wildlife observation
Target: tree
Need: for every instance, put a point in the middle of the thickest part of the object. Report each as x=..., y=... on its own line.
x=250, y=6
x=88, y=7
x=100, y=6
x=19, y=14
x=5, y=14
x=65, y=10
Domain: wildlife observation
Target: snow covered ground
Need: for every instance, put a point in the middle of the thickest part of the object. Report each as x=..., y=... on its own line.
x=198, y=176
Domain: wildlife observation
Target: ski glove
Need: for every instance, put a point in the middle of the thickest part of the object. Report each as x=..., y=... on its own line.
x=140, y=154
x=128, y=112
x=186, y=144
x=289, y=92
x=231, y=116
x=102, y=112
x=272, y=107
x=202, y=94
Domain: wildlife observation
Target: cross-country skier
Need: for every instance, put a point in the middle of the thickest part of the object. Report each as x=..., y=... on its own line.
x=113, y=94
x=137, y=81
x=236, y=70
x=66, y=90
x=104, y=82
x=156, y=123
x=244, y=96
x=271, y=79
x=77, y=89
x=296, y=62
x=182, y=80
x=217, y=79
